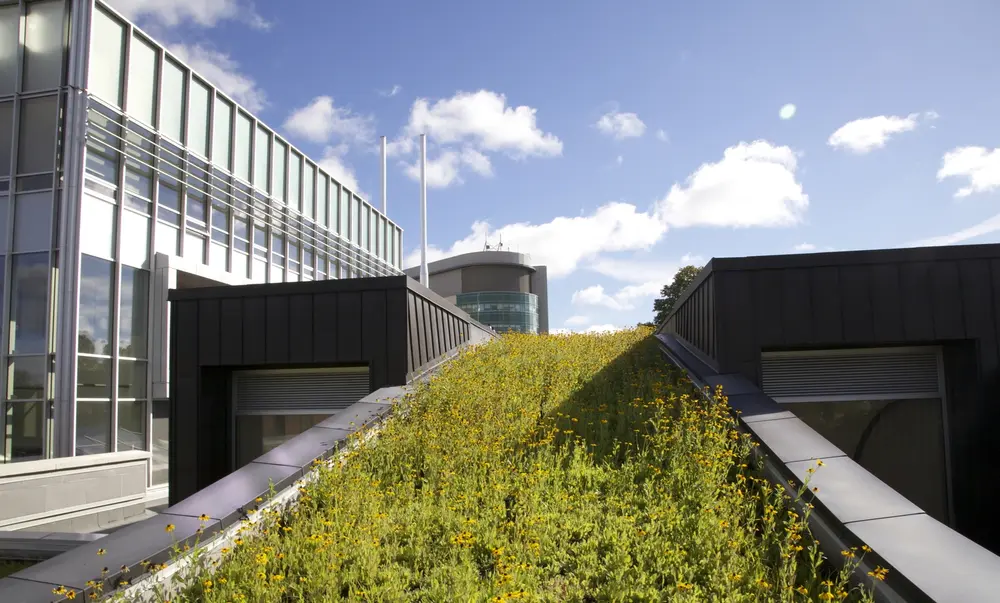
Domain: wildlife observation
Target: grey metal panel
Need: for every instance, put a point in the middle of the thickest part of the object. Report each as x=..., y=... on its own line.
x=317, y=391
x=496, y=278
x=913, y=372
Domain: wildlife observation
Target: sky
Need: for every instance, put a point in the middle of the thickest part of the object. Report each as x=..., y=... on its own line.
x=617, y=141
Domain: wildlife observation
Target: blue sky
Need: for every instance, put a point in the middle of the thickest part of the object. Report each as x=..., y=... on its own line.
x=617, y=141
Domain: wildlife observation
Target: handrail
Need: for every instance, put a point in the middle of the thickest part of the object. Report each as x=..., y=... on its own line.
x=928, y=561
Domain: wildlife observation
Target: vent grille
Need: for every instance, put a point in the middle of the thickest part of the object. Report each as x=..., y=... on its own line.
x=904, y=373
x=305, y=393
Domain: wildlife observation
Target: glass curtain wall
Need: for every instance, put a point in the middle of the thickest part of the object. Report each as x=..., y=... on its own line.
x=504, y=311
x=33, y=42
x=175, y=166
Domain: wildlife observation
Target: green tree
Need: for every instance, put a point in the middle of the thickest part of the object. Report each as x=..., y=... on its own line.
x=672, y=291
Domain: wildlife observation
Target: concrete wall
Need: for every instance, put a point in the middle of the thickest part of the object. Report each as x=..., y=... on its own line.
x=74, y=494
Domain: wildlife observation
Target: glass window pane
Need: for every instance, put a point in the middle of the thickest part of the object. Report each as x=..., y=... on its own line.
x=131, y=423
x=131, y=379
x=222, y=125
x=29, y=303
x=261, y=153
x=172, y=101
x=6, y=128
x=365, y=228
x=33, y=222
x=36, y=147
x=135, y=239
x=43, y=45
x=244, y=129
x=133, y=313
x=25, y=430
x=294, y=176
x=196, y=209
x=345, y=209
x=308, y=183
x=141, y=80
x=161, y=440
x=322, y=199
x=197, y=140
x=10, y=19
x=27, y=378
x=106, y=48
x=96, y=280
x=93, y=425
x=278, y=173
x=97, y=227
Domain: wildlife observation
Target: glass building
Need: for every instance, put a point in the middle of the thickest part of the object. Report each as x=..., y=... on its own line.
x=505, y=311
x=123, y=174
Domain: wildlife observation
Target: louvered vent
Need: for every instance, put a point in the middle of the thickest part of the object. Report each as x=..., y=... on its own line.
x=305, y=392
x=905, y=373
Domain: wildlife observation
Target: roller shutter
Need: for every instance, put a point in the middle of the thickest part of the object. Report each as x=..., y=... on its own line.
x=864, y=374
x=299, y=391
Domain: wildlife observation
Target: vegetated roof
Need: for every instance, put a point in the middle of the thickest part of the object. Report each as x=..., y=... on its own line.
x=540, y=468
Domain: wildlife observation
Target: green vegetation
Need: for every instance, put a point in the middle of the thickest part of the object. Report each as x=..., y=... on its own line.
x=10, y=567
x=538, y=468
x=672, y=291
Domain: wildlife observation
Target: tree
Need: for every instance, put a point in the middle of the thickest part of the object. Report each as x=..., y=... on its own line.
x=671, y=292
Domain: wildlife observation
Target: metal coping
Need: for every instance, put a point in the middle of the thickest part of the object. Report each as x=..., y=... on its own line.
x=929, y=561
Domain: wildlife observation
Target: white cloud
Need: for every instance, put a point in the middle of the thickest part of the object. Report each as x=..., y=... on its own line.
x=561, y=331
x=638, y=271
x=396, y=89
x=623, y=299
x=753, y=185
x=662, y=136
x=607, y=328
x=483, y=120
x=621, y=125
x=985, y=227
x=320, y=121
x=204, y=13
x=220, y=69
x=465, y=129
x=576, y=321
x=333, y=163
x=804, y=247
x=564, y=243
x=863, y=135
x=787, y=111
x=979, y=165
x=444, y=170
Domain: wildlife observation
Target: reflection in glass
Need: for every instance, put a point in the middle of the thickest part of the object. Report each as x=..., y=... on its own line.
x=161, y=440
x=10, y=19
x=25, y=438
x=97, y=227
x=172, y=101
x=107, y=41
x=198, y=118
x=503, y=310
x=901, y=442
x=43, y=45
x=223, y=126
x=262, y=150
x=33, y=221
x=96, y=279
x=6, y=118
x=131, y=379
x=132, y=425
x=141, y=80
x=278, y=171
x=36, y=148
x=93, y=427
x=26, y=378
x=29, y=303
x=258, y=434
x=133, y=313
x=93, y=377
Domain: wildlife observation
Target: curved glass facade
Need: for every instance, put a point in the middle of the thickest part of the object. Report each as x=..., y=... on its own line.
x=502, y=310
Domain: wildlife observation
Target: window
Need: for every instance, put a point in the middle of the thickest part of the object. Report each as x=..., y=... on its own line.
x=322, y=199
x=96, y=279
x=97, y=227
x=26, y=420
x=364, y=227
x=222, y=133
x=201, y=96
x=260, y=242
x=142, y=71
x=161, y=440
x=170, y=204
x=294, y=179
x=172, y=101
x=197, y=211
x=308, y=186
x=33, y=221
x=36, y=150
x=107, y=43
x=241, y=233
x=293, y=256
x=29, y=303
x=278, y=173
x=244, y=130
x=261, y=155
x=6, y=126
x=135, y=239
x=93, y=424
x=277, y=249
x=345, y=228
x=138, y=169
x=103, y=143
x=133, y=313
x=10, y=19
x=44, y=37
x=220, y=221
